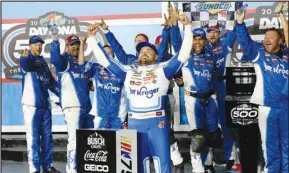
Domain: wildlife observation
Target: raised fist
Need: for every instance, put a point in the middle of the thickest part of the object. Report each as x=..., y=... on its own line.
x=240, y=16
x=24, y=53
x=184, y=19
x=92, y=29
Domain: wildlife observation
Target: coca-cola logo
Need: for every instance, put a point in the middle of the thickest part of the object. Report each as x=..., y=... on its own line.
x=100, y=156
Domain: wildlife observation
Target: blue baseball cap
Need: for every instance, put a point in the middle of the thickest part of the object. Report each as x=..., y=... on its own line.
x=146, y=44
x=35, y=39
x=199, y=32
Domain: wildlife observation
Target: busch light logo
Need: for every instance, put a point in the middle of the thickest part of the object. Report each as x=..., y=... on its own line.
x=213, y=7
x=278, y=69
x=143, y=91
x=96, y=141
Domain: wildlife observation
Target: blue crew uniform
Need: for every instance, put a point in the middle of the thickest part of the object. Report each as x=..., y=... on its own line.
x=73, y=82
x=36, y=80
x=272, y=73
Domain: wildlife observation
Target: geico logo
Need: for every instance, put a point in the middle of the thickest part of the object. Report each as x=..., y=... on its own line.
x=98, y=168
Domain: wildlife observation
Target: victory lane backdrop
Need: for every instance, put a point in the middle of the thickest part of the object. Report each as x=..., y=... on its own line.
x=17, y=38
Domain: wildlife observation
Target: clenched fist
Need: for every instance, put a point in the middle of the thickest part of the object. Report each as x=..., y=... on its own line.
x=240, y=17
x=92, y=29
x=24, y=53
x=184, y=19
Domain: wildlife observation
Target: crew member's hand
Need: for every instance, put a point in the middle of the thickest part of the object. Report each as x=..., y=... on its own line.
x=179, y=80
x=240, y=17
x=24, y=53
x=102, y=24
x=167, y=23
x=184, y=19
x=174, y=15
x=92, y=29
x=125, y=125
x=82, y=40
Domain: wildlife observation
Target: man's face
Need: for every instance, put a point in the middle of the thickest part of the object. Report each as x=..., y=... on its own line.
x=147, y=56
x=272, y=42
x=139, y=39
x=109, y=51
x=198, y=44
x=213, y=36
x=73, y=49
x=36, y=48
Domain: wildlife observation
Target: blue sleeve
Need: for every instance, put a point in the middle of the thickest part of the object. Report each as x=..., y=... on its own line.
x=285, y=89
x=104, y=60
x=54, y=87
x=173, y=66
x=59, y=61
x=179, y=75
x=176, y=38
x=163, y=46
x=230, y=38
x=118, y=50
x=250, y=47
x=27, y=64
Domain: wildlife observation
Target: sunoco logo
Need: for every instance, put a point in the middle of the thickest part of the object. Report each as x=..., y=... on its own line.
x=213, y=7
x=17, y=38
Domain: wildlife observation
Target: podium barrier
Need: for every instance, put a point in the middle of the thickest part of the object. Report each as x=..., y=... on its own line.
x=106, y=150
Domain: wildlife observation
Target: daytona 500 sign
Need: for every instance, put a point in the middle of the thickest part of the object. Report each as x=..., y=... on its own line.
x=17, y=38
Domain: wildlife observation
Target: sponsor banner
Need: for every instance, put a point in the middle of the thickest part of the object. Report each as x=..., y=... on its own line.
x=106, y=151
x=126, y=151
x=17, y=38
x=240, y=113
x=96, y=151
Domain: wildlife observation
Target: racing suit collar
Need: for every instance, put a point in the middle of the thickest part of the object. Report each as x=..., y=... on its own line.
x=279, y=53
x=31, y=54
x=213, y=45
x=147, y=66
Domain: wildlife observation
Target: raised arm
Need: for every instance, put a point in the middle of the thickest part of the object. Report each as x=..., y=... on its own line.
x=230, y=38
x=175, y=33
x=285, y=27
x=250, y=47
x=102, y=57
x=81, y=57
x=165, y=37
x=26, y=62
x=59, y=61
x=116, y=47
x=179, y=59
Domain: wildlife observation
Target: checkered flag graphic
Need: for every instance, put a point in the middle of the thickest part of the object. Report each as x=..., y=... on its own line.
x=202, y=18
